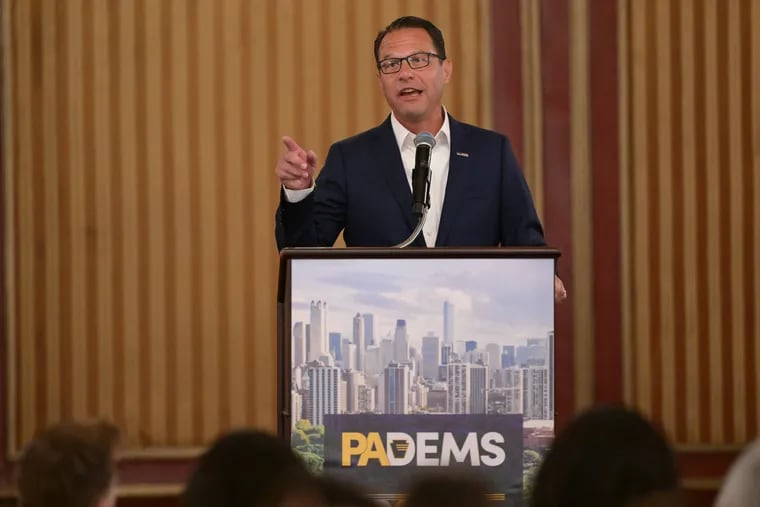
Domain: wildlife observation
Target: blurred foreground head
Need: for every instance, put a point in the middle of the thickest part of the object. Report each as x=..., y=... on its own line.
x=608, y=457
x=69, y=465
x=251, y=469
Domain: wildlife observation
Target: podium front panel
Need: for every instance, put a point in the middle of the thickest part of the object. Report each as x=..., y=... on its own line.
x=401, y=365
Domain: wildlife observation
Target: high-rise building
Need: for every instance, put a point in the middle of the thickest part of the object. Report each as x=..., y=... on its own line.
x=349, y=355
x=458, y=385
x=431, y=356
x=478, y=389
x=373, y=360
x=299, y=344
x=400, y=342
x=369, y=329
x=459, y=348
x=296, y=407
x=324, y=391
x=536, y=393
x=448, y=323
x=396, y=383
x=318, y=345
x=494, y=357
x=436, y=398
x=550, y=366
x=386, y=352
x=508, y=356
x=446, y=351
x=336, y=345
x=354, y=380
x=359, y=341
x=470, y=345
x=366, y=399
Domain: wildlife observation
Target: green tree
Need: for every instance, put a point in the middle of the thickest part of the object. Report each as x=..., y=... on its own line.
x=303, y=425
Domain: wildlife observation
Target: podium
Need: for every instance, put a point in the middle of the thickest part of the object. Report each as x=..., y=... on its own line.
x=396, y=362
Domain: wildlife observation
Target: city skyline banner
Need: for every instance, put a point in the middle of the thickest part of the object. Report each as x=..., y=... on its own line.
x=373, y=451
x=382, y=347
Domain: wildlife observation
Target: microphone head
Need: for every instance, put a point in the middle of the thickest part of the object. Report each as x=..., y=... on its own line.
x=424, y=138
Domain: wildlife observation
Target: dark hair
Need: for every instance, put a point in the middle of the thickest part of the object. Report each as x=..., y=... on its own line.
x=247, y=469
x=607, y=456
x=68, y=465
x=413, y=22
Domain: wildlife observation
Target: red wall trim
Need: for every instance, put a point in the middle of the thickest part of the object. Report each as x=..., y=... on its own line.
x=555, y=94
x=605, y=170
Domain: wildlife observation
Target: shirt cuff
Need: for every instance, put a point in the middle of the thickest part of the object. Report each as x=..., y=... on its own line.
x=294, y=196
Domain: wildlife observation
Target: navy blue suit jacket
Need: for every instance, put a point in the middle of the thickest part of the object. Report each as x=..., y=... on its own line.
x=363, y=190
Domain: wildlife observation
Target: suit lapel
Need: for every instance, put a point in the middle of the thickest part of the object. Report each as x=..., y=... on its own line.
x=389, y=162
x=458, y=170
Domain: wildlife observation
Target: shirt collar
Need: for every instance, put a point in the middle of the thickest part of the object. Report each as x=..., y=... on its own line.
x=405, y=137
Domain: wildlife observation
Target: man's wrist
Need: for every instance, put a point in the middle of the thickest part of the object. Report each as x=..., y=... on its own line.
x=294, y=196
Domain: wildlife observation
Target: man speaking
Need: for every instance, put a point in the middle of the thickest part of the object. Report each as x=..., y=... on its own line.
x=477, y=193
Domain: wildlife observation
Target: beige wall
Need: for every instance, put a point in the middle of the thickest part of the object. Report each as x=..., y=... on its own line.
x=139, y=144
x=691, y=218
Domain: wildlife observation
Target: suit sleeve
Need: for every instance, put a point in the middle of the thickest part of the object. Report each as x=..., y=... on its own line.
x=520, y=225
x=318, y=219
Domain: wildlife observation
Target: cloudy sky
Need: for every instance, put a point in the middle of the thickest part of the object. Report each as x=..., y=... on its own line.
x=500, y=301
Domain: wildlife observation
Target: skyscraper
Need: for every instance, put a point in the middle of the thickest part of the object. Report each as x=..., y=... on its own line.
x=299, y=344
x=318, y=336
x=448, y=323
x=494, y=357
x=458, y=384
x=446, y=351
x=470, y=345
x=369, y=329
x=324, y=393
x=400, y=342
x=431, y=356
x=336, y=346
x=396, y=389
x=536, y=393
x=349, y=355
x=359, y=341
x=508, y=356
x=478, y=389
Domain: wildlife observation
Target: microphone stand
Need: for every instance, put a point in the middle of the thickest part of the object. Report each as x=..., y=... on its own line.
x=416, y=232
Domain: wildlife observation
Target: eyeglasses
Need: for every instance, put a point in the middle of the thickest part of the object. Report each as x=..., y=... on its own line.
x=415, y=61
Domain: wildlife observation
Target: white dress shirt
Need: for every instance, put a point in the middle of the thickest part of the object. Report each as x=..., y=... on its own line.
x=439, y=173
x=439, y=170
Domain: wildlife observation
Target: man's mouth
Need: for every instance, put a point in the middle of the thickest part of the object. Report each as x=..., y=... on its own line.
x=410, y=92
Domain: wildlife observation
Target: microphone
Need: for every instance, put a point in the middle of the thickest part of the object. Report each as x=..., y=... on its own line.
x=424, y=141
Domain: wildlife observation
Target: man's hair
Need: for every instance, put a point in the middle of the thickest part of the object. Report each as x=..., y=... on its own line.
x=607, y=456
x=247, y=468
x=68, y=465
x=413, y=22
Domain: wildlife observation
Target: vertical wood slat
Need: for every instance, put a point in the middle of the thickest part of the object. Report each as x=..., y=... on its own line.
x=755, y=122
x=581, y=190
x=703, y=197
x=151, y=205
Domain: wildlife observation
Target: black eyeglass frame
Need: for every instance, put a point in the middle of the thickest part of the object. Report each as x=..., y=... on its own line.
x=408, y=62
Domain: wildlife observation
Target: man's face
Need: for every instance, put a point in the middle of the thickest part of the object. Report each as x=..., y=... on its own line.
x=414, y=95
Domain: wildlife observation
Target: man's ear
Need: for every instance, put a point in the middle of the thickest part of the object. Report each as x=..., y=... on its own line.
x=448, y=68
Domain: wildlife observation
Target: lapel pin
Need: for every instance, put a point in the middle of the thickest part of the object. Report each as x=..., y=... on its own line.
x=462, y=154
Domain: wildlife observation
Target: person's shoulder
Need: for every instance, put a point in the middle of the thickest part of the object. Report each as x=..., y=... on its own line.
x=475, y=131
x=368, y=136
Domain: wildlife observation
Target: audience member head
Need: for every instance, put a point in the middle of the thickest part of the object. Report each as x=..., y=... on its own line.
x=741, y=487
x=608, y=456
x=448, y=489
x=69, y=465
x=251, y=469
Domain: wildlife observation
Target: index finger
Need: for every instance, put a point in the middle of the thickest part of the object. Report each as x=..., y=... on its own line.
x=291, y=145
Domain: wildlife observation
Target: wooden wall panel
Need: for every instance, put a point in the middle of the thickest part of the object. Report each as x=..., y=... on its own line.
x=691, y=222
x=139, y=143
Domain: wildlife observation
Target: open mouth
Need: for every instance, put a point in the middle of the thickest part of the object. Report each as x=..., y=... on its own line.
x=410, y=92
